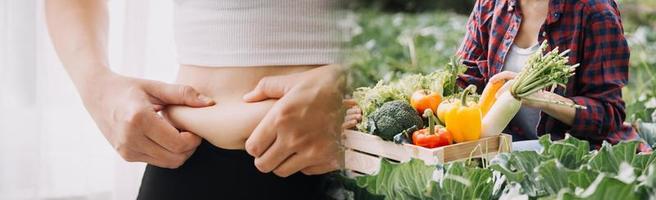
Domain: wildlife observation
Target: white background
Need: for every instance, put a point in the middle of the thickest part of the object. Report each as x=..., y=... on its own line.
x=49, y=146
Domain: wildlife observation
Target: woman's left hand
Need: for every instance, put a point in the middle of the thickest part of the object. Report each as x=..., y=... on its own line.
x=538, y=95
x=563, y=113
x=301, y=132
x=353, y=114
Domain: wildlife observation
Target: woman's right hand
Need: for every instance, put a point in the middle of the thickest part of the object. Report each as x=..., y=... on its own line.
x=126, y=111
x=353, y=114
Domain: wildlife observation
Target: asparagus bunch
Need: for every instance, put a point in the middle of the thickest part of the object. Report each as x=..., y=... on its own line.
x=542, y=71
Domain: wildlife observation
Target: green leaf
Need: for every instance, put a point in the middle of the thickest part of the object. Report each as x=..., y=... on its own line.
x=581, y=177
x=553, y=177
x=545, y=141
x=520, y=168
x=410, y=180
x=647, y=131
x=625, y=151
x=569, y=152
x=461, y=182
x=642, y=162
x=603, y=187
x=604, y=160
x=609, y=158
x=648, y=185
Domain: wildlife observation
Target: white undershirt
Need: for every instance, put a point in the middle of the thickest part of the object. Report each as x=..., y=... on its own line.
x=517, y=57
x=242, y=33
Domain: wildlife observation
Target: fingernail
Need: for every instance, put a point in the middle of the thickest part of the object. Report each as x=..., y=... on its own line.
x=248, y=96
x=205, y=99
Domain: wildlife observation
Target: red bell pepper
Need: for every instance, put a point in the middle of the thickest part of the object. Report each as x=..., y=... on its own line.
x=431, y=137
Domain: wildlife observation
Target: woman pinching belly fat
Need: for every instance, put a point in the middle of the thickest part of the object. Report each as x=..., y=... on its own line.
x=231, y=120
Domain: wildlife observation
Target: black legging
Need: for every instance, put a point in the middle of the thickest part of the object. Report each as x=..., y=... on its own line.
x=214, y=173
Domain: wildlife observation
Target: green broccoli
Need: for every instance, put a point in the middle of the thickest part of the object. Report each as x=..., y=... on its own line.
x=392, y=118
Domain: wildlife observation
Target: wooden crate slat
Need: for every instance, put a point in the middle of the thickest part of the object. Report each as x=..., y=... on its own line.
x=361, y=162
x=429, y=156
x=474, y=149
x=375, y=145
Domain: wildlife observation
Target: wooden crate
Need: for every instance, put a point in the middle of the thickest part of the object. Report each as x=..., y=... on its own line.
x=365, y=151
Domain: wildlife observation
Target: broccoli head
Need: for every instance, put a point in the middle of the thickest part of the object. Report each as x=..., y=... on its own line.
x=392, y=118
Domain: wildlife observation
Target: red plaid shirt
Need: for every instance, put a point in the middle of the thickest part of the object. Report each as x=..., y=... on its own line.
x=592, y=29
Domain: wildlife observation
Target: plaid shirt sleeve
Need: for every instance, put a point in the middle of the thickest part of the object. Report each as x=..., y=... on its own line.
x=600, y=78
x=473, y=51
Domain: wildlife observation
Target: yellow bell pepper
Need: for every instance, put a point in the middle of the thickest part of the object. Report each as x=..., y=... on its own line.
x=444, y=107
x=463, y=120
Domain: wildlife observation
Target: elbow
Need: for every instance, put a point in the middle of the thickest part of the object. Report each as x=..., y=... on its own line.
x=600, y=120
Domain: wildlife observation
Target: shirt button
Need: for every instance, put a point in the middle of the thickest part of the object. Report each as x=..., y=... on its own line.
x=544, y=34
x=556, y=14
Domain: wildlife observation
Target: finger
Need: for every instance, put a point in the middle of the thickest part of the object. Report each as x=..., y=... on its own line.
x=292, y=165
x=354, y=110
x=158, y=108
x=273, y=157
x=321, y=169
x=497, y=77
x=263, y=136
x=348, y=103
x=161, y=163
x=165, y=135
x=503, y=76
x=349, y=124
x=161, y=157
x=269, y=87
x=351, y=121
x=177, y=94
x=354, y=117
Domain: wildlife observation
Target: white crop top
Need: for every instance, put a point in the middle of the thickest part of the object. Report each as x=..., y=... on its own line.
x=234, y=33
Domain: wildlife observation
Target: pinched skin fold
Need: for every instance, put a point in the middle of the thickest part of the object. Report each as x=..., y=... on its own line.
x=232, y=120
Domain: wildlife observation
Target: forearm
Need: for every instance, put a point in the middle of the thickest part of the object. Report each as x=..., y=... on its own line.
x=562, y=113
x=78, y=29
x=336, y=75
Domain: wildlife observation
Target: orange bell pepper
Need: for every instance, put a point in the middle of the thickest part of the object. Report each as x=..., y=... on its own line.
x=425, y=99
x=463, y=120
x=488, y=97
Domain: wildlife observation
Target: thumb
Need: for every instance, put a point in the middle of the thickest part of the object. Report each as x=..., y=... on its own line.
x=177, y=95
x=268, y=88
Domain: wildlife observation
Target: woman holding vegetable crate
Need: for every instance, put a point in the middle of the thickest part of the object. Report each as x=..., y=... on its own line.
x=512, y=50
x=502, y=36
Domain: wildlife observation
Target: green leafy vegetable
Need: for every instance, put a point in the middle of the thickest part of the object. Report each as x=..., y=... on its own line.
x=370, y=99
x=565, y=169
